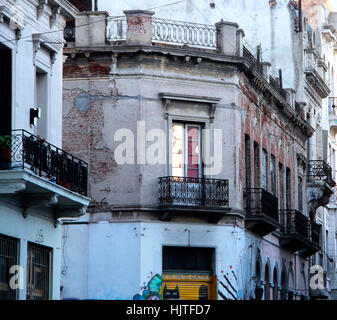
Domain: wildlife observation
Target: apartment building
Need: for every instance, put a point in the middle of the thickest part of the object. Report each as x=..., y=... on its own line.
x=198, y=165
x=39, y=182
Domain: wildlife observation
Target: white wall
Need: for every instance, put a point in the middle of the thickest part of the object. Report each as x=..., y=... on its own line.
x=124, y=256
x=33, y=229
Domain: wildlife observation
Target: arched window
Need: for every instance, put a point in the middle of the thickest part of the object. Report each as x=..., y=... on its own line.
x=275, y=282
x=283, y=285
x=291, y=284
x=258, y=288
x=267, y=285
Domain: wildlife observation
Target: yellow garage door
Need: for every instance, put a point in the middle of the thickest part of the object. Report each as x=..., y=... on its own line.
x=188, y=287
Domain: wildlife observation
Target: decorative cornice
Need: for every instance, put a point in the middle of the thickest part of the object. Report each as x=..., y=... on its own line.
x=15, y=18
x=41, y=40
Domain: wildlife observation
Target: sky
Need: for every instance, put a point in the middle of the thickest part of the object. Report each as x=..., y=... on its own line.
x=110, y=5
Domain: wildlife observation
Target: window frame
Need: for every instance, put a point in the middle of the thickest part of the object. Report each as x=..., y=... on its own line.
x=15, y=262
x=186, y=125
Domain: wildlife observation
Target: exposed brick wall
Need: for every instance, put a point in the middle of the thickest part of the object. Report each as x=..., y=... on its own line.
x=88, y=69
x=83, y=118
x=271, y=131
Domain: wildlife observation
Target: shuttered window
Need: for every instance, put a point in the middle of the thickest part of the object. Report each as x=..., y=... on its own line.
x=264, y=170
x=38, y=272
x=272, y=176
x=188, y=274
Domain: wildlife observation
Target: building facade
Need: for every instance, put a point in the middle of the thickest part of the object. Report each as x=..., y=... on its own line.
x=198, y=165
x=39, y=182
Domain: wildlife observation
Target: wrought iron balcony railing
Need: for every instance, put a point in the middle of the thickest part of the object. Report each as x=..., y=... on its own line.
x=193, y=191
x=277, y=86
x=319, y=170
x=22, y=150
x=294, y=222
x=260, y=202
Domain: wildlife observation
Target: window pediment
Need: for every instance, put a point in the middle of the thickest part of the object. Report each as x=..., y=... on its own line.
x=208, y=102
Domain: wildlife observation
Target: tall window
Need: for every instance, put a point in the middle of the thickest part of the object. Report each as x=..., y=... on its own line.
x=247, y=161
x=256, y=165
x=264, y=169
x=288, y=189
x=38, y=272
x=281, y=185
x=300, y=194
x=272, y=175
x=186, y=150
x=8, y=258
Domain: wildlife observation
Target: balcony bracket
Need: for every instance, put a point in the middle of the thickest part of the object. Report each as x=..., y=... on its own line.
x=67, y=212
x=166, y=106
x=56, y=11
x=41, y=8
x=38, y=201
x=7, y=187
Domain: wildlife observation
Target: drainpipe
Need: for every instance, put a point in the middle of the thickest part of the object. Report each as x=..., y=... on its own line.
x=95, y=6
x=295, y=278
x=300, y=15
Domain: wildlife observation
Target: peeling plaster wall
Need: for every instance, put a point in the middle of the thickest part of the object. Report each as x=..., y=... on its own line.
x=95, y=108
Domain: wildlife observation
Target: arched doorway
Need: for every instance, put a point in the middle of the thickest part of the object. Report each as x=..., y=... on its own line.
x=283, y=285
x=267, y=283
x=258, y=287
x=291, y=284
x=275, y=282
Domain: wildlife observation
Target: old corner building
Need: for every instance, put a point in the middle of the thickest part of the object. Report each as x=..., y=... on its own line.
x=177, y=229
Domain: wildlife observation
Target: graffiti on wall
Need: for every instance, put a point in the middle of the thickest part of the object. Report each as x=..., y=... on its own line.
x=152, y=289
x=234, y=281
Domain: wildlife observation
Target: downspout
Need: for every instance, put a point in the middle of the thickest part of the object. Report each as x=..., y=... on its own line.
x=300, y=15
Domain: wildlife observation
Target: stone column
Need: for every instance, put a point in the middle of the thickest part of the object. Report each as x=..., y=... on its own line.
x=226, y=37
x=239, y=42
x=266, y=70
x=139, y=27
x=90, y=28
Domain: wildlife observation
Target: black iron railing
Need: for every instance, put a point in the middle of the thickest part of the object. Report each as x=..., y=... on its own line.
x=193, y=191
x=252, y=60
x=259, y=201
x=294, y=222
x=332, y=103
x=22, y=150
x=69, y=33
x=275, y=84
x=319, y=170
